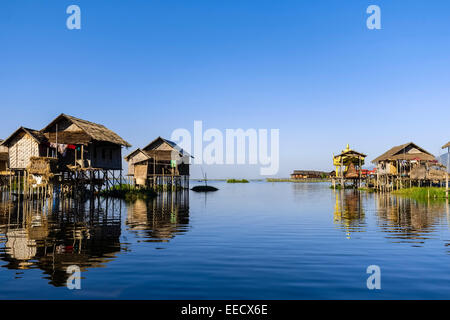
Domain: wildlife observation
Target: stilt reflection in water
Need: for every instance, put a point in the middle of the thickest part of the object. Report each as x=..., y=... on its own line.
x=348, y=211
x=52, y=234
x=408, y=220
x=159, y=219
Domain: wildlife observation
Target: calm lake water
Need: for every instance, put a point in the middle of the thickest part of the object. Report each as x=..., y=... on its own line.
x=246, y=241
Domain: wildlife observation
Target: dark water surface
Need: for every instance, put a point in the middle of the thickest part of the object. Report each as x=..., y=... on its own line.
x=246, y=241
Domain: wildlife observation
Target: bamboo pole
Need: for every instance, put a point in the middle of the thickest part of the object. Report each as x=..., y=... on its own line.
x=360, y=173
x=446, y=179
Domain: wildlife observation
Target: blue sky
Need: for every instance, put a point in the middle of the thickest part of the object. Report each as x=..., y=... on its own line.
x=309, y=68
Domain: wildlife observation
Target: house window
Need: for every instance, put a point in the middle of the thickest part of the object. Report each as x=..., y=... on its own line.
x=103, y=154
x=110, y=154
x=95, y=153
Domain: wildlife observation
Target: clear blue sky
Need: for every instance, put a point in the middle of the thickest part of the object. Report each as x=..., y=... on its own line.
x=310, y=68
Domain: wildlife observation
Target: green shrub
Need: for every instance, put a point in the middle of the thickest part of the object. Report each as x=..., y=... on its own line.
x=422, y=192
x=237, y=181
x=128, y=192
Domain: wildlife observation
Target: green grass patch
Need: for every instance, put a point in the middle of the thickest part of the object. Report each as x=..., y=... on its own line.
x=339, y=187
x=237, y=181
x=422, y=193
x=128, y=193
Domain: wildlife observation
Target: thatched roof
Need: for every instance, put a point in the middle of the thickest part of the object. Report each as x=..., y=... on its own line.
x=158, y=141
x=447, y=145
x=407, y=151
x=96, y=131
x=351, y=153
x=132, y=154
x=35, y=134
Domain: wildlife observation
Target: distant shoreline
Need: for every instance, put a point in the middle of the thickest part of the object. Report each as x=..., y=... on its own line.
x=298, y=180
x=268, y=180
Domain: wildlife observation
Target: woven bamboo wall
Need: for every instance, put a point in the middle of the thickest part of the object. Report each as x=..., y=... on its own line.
x=23, y=147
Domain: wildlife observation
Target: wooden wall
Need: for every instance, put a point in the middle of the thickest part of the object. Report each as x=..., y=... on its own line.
x=22, y=147
x=105, y=156
x=3, y=165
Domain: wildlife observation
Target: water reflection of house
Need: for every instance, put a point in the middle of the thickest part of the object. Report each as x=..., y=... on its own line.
x=159, y=219
x=348, y=211
x=21, y=235
x=408, y=220
x=53, y=242
x=20, y=248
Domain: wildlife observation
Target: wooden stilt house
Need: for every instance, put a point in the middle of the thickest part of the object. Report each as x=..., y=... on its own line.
x=74, y=151
x=161, y=162
x=22, y=145
x=79, y=143
x=407, y=163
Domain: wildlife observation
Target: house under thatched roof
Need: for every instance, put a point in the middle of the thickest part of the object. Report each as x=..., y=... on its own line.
x=407, y=151
x=34, y=134
x=447, y=145
x=23, y=144
x=159, y=157
x=73, y=130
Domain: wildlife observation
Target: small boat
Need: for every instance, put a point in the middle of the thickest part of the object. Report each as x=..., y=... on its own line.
x=204, y=188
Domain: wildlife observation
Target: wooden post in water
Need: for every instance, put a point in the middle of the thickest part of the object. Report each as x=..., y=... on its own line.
x=360, y=173
x=446, y=179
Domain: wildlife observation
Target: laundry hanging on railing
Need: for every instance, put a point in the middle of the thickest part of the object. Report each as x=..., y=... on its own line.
x=62, y=148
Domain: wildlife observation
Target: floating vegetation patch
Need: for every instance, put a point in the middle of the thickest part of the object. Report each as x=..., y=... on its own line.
x=422, y=193
x=237, y=181
x=128, y=192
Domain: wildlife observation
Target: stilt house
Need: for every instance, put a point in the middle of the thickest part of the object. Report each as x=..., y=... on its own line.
x=160, y=160
x=79, y=143
x=409, y=161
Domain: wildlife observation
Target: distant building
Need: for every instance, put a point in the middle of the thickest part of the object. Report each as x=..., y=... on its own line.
x=309, y=174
